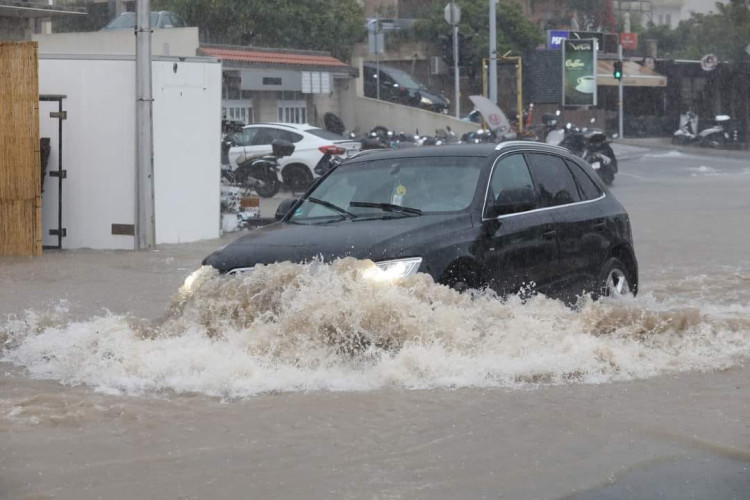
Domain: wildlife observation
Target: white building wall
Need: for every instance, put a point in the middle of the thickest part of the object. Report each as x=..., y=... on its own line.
x=181, y=42
x=99, y=149
x=187, y=153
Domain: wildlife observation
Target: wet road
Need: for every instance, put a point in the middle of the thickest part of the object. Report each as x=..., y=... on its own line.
x=680, y=435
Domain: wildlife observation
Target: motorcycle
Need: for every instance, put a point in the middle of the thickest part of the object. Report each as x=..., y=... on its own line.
x=590, y=144
x=688, y=131
x=260, y=172
x=719, y=135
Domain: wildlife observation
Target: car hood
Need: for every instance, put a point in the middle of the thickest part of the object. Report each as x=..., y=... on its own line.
x=436, y=99
x=375, y=239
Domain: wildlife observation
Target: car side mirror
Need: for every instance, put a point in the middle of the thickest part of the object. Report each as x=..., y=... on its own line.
x=512, y=201
x=284, y=207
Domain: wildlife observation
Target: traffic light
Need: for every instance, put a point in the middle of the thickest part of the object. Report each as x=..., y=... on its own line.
x=617, y=71
x=447, y=46
x=465, y=56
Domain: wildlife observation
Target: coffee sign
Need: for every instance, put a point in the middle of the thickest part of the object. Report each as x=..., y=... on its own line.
x=579, y=72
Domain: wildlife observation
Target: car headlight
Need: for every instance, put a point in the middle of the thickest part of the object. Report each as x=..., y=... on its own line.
x=390, y=270
x=426, y=101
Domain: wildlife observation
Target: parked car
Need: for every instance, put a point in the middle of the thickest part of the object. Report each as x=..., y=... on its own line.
x=311, y=146
x=511, y=216
x=399, y=86
x=160, y=19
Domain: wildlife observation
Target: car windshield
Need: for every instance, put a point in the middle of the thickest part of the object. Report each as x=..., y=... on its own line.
x=400, y=187
x=127, y=20
x=404, y=79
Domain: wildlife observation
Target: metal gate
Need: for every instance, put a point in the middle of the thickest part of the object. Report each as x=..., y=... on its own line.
x=60, y=115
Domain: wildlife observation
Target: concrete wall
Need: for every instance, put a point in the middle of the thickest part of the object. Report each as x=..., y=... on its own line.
x=99, y=149
x=181, y=42
x=365, y=113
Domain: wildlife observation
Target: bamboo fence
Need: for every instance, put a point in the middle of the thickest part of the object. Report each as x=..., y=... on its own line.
x=20, y=183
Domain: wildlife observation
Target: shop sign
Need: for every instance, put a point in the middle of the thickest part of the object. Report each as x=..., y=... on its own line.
x=579, y=72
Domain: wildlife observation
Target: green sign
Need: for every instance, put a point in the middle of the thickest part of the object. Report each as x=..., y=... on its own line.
x=579, y=72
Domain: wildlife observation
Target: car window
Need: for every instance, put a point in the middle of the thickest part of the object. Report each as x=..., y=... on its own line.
x=245, y=138
x=511, y=180
x=589, y=189
x=554, y=182
x=263, y=136
x=289, y=136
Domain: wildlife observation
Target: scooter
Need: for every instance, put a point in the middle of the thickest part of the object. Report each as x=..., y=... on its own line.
x=688, y=131
x=719, y=135
x=590, y=144
x=260, y=172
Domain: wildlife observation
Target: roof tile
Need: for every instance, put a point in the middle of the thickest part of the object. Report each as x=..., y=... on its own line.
x=254, y=56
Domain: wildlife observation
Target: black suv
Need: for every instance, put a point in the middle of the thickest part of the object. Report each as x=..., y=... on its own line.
x=399, y=86
x=518, y=216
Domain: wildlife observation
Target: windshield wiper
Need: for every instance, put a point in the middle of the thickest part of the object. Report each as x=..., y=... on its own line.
x=386, y=207
x=333, y=207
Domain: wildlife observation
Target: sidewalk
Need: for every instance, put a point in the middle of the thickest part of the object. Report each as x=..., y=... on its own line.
x=666, y=143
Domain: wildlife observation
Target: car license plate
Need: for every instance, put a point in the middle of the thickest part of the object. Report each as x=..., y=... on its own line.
x=596, y=165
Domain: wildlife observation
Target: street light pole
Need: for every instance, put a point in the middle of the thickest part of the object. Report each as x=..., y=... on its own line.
x=456, y=76
x=493, y=53
x=145, y=231
x=619, y=94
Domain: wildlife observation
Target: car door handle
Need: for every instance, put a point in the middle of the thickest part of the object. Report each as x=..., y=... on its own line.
x=549, y=234
x=600, y=225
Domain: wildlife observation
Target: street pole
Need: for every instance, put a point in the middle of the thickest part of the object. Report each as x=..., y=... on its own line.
x=145, y=232
x=456, y=76
x=493, y=53
x=377, y=55
x=519, y=85
x=619, y=94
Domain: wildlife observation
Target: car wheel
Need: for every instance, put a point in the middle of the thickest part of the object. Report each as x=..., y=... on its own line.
x=297, y=177
x=614, y=280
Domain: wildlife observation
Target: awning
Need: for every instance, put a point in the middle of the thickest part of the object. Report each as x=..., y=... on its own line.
x=633, y=75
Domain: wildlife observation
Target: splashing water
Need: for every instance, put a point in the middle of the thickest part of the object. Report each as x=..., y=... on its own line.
x=293, y=327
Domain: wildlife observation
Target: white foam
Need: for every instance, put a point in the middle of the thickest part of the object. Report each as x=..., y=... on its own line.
x=290, y=327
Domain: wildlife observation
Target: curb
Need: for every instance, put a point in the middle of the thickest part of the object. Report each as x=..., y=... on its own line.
x=697, y=150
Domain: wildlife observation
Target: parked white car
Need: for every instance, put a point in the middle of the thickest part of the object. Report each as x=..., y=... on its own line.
x=310, y=145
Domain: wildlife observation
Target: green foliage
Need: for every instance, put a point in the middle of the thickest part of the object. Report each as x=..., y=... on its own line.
x=97, y=16
x=725, y=33
x=332, y=25
x=514, y=31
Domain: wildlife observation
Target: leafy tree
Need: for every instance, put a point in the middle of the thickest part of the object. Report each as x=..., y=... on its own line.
x=332, y=25
x=725, y=33
x=514, y=31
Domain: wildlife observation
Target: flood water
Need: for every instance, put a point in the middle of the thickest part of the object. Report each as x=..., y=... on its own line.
x=290, y=327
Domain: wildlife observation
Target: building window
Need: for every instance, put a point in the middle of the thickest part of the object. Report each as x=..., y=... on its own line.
x=230, y=88
x=271, y=81
x=292, y=111
x=237, y=111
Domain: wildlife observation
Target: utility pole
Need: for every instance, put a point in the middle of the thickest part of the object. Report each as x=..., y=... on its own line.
x=145, y=230
x=619, y=95
x=377, y=56
x=456, y=76
x=493, y=53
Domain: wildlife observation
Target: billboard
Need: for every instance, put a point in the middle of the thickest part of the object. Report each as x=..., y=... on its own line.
x=579, y=72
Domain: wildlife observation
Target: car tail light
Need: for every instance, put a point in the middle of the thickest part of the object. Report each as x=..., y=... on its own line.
x=332, y=150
